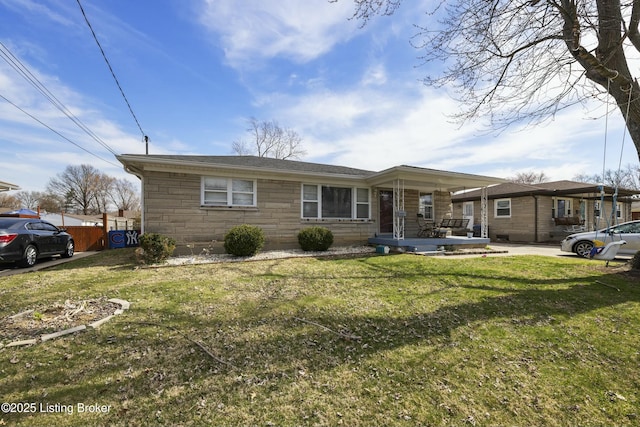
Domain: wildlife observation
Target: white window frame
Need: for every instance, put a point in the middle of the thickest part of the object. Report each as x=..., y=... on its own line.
x=568, y=206
x=495, y=208
x=597, y=209
x=229, y=192
x=421, y=206
x=360, y=203
x=354, y=202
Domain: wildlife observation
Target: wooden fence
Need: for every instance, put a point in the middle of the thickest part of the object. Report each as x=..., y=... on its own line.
x=93, y=238
x=88, y=238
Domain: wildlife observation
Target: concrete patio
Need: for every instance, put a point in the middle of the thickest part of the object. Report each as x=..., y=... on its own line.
x=419, y=244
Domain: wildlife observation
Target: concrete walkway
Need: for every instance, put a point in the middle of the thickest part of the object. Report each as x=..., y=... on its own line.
x=529, y=249
x=10, y=270
x=537, y=249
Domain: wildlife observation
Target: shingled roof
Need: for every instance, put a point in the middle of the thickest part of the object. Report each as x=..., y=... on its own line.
x=412, y=177
x=554, y=188
x=255, y=162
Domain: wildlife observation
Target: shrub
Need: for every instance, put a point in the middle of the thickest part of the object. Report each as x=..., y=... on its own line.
x=315, y=238
x=156, y=247
x=244, y=240
x=635, y=261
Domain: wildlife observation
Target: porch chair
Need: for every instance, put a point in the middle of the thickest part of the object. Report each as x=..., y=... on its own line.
x=426, y=228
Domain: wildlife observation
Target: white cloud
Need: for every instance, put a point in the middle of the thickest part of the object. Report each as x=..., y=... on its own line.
x=375, y=127
x=376, y=75
x=252, y=30
x=33, y=9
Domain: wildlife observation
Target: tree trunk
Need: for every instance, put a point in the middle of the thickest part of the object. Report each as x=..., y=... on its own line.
x=622, y=87
x=608, y=67
x=630, y=104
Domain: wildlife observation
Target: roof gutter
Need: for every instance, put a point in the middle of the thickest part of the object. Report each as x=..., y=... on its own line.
x=128, y=161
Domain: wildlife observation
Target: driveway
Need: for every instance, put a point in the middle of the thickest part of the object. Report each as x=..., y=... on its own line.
x=529, y=249
x=538, y=249
x=10, y=270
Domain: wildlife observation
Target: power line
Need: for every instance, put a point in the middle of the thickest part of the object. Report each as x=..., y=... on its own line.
x=56, y=132
x=22, y=69
x=111, y=69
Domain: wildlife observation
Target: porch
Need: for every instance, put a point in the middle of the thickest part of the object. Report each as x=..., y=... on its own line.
x=400, y=191
x=418, y=244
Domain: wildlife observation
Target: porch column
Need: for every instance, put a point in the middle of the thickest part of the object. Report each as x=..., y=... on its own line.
x=399, y=213
x=484, y=216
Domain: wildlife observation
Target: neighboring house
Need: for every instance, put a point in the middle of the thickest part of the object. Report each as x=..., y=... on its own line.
x=5, y=186
x=544, y=212
x=115, y=220
x=197, y=199
x=71, y=220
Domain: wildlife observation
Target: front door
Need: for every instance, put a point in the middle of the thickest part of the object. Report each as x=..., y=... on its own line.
x=467, y=213
x=386, y=211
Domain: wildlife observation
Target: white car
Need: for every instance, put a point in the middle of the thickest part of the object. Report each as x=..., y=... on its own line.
x=582, y=243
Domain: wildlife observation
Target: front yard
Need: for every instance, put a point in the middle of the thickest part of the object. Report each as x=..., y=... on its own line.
x=377, y=340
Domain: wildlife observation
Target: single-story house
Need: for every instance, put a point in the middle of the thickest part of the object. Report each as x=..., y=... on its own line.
x=115, y=220
x=545, y=212
x=197, y=199
x=6, y=186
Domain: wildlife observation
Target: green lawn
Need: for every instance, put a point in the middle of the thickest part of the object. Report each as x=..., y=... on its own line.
x=381, y=340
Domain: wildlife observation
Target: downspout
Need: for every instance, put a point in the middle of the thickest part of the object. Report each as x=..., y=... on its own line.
x=141, y=178
x=535, y=218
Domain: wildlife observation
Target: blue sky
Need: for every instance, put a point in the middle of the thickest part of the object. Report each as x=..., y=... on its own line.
x=194, y=71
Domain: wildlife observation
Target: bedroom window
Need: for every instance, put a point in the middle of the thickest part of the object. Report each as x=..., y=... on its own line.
x=228, y=192
x=502, y=208
x=325, y=201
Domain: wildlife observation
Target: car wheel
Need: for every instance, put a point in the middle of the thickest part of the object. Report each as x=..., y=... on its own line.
x=29, y=257
x=583, y=248
x=68, y=252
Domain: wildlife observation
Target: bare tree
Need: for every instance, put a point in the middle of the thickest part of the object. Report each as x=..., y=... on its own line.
x=83, y=188
x=515, y=60
x=125, y=196
x=35, y=200
x=268, y=139
x=103, y=192
x=628, y=178
x=29, y=199
x=51, y=203
x=9, y=202
x=530, y=177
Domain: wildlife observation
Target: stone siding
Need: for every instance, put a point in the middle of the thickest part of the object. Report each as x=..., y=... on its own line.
x=173, y=207
x=522, y=227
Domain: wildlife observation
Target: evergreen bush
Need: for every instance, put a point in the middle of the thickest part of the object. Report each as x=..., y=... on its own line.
x=244, y=240
x=156, y=247
x=315, y=238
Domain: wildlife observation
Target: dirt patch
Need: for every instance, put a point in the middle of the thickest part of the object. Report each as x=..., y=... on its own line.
x=633, y=274
x=45, y=319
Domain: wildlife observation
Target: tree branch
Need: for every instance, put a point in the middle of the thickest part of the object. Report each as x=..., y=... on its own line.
x=633, y=33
